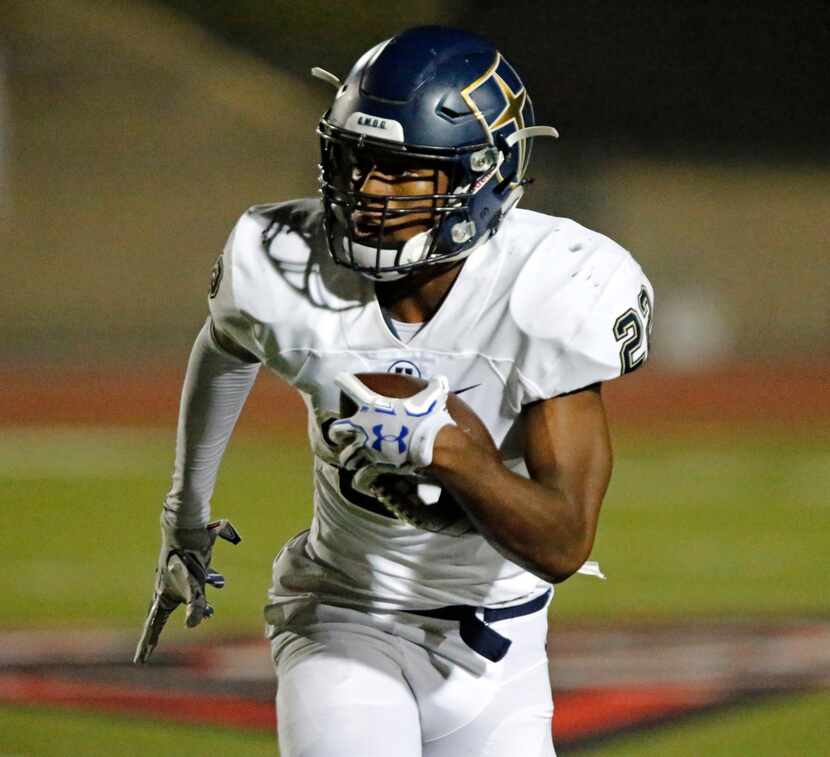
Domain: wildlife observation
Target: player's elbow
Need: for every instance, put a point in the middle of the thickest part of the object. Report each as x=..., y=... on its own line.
x=576, y=539
x=552, y=562
x=565, y=570
x=564, y=566
x=561, y=563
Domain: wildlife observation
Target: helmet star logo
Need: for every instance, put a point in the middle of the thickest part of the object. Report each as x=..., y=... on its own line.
x=515, y=102
x=512, y=112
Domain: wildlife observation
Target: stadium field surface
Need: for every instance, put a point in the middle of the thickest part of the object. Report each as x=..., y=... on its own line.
x=724, y=524
x=729, y=526
x=771, y=728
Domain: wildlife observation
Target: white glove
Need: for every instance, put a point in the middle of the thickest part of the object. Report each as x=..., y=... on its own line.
x=396, y=432
x=182, y=572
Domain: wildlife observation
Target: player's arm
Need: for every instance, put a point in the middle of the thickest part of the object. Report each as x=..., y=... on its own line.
x=546, y=523
x=219, y=376
x=598, y=329
x=220, y=373
x=229, y=345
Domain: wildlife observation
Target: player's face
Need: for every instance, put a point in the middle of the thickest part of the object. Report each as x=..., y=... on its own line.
x=403, y=218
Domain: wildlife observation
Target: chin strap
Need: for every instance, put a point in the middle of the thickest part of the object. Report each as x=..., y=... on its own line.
x=414, y=251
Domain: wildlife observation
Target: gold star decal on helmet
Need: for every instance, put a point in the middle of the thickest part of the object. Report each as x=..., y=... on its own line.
x=515, y=102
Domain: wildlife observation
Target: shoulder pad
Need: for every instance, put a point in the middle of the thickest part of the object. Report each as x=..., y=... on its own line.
x=268, y=258
x=562, y=280
x=234, y=295
x=275, y=276
x=584, y=307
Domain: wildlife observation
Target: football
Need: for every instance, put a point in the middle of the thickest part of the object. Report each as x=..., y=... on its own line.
x=415, y=499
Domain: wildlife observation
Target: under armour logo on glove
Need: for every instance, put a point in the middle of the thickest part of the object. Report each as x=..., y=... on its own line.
x=397, y=432
x=380, y=438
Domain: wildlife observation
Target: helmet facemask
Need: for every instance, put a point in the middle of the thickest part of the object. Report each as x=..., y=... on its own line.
x=372, y=233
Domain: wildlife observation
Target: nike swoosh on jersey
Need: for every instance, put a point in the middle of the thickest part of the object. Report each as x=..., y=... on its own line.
x=466, y=388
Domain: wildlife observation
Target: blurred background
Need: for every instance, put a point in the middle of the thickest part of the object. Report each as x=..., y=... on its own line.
x=133, y=134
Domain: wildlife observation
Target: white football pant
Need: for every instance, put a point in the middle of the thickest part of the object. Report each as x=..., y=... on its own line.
x=348, y=687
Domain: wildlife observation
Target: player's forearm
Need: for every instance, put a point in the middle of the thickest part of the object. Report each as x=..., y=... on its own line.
x=215, y=389
x=536, y=526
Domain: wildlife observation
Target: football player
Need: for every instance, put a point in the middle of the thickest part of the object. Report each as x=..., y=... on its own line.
x=391, y=638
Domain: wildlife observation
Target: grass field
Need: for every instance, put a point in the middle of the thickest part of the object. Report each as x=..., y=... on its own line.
x=787, y=728
x=718, y=525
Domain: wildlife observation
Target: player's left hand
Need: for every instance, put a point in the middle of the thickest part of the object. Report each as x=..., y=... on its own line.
x=182, y=572
x=387, y=430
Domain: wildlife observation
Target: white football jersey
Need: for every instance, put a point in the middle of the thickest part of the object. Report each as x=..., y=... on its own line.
x=543, y=308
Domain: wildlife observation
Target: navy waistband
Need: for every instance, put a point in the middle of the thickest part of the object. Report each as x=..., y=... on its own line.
x=475, y=632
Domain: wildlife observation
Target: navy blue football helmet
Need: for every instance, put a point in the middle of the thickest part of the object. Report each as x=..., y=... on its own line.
x=429, y=97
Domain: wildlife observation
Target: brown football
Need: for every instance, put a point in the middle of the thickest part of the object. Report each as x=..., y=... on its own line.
x=398, y=385
x=445, y=515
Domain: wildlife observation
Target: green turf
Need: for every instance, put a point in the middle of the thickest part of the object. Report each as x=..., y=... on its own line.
x=85, y=537
x=788, y=727
x=726, y=525
x=42, y=732
x=730, y=526
x=714, y=526
x=791, y=726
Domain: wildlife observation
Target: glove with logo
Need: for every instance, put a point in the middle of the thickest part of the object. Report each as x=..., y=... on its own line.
x=391, y=431
x=181, y=575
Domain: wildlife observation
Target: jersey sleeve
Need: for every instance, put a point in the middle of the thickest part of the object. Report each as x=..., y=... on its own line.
x=593, y=326
x=614, y=338
x=234, y=294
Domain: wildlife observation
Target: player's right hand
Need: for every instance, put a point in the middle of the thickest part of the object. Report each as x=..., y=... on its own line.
x=182, y=572
x=390, y=431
